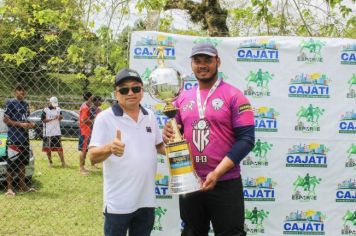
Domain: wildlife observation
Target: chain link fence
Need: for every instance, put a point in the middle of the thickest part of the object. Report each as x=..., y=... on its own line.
x=40, y=116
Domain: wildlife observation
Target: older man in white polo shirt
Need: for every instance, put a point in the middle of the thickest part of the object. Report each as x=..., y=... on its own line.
x=126, y=138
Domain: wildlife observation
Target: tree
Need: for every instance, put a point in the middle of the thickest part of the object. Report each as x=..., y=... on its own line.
x=330, y=18
x=42, y=37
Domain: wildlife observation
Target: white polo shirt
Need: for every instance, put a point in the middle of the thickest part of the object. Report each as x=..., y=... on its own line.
x=129, y=180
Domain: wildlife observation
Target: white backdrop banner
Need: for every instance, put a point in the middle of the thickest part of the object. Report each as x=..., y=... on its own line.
x=300, y=179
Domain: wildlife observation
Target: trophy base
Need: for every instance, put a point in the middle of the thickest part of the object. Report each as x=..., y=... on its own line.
x=183, y=176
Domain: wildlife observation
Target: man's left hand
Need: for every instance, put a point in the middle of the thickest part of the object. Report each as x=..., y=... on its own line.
x=210, y=181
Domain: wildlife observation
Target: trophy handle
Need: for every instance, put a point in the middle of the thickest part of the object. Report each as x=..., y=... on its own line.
x=177, y=134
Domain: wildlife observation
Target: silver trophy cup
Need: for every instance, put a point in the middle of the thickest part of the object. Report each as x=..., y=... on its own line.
x=164, y=84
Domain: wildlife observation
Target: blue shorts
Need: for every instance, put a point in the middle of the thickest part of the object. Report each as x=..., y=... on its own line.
x=138, y=223
x=83, y=143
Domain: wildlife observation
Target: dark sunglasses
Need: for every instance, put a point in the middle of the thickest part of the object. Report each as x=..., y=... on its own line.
x=126, y=90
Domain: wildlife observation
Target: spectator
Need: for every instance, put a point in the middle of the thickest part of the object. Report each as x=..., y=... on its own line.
x=85, y=125
x=94, y=111
x=51, y=117
x=18, y=143
x=126, y=139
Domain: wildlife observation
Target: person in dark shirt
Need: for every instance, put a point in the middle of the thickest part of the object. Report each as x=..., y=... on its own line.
x=18, y=143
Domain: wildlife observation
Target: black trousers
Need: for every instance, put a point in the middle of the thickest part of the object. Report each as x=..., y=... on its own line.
x=223, y=206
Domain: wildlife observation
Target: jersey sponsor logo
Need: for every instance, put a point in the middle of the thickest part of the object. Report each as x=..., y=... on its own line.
x=188, y=106
x=217, y=103
x=245, y=107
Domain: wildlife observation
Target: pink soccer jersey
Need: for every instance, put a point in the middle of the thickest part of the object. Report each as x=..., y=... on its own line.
x=211, y=140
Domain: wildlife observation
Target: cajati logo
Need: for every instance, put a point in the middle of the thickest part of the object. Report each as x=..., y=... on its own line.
x=347, y=123
x=259, y=189
x=346, y=191
x=161, y=189
x=266, y=119
x=307, y=155
x=258, y=50
x=314, y=85
x=151, y=47
x=310, y=222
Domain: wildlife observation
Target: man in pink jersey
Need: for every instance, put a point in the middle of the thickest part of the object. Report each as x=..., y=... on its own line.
x=217, y=121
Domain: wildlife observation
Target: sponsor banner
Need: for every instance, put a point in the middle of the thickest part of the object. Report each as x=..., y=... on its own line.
x=302, y=91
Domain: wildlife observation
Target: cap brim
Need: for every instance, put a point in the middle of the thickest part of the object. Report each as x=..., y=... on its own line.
x=204, y=53
x=128, y=78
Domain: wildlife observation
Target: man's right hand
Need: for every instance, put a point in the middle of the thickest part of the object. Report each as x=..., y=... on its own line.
x=117, y=147
x=168, y=134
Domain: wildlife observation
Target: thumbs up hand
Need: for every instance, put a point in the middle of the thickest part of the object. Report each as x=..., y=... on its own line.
x=117, y=147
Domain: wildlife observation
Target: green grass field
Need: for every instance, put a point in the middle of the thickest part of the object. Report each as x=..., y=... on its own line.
x=67, y=203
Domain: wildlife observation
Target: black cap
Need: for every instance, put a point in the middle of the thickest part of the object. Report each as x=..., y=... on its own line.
x=205, y=49
x=126, y=74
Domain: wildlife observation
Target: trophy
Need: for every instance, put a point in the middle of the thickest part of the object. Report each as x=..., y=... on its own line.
x=164, y=84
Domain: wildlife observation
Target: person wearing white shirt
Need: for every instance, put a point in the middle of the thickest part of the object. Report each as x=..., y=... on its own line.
x=126, y=138
x=51, y=117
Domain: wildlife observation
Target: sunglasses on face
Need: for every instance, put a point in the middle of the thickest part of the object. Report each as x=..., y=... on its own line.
x=126, y=90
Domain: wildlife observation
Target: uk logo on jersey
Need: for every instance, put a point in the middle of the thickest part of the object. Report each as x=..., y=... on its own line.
x=201, y=132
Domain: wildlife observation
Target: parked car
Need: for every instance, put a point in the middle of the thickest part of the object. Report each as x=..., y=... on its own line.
x=30, y=168
x=69, y=124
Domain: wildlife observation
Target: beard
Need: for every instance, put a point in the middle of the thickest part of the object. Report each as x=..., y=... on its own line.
x=210, y=79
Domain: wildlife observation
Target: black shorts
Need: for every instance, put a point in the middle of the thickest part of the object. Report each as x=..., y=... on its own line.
x=53, y=143
x=223, y=206
x=17, y=156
